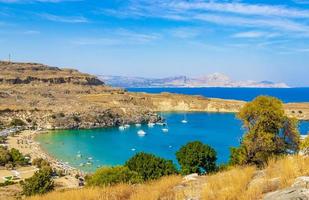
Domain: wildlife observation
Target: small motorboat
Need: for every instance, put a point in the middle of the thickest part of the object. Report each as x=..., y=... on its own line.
x=151, y=125
x=138, y=125
x=121, y=128
x=127, y=126
x=165, y=130
x=184, y=121
x=141, y=133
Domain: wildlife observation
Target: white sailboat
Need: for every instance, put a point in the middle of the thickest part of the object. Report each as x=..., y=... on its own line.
x=141, y=133
x=184, y=121
x=165, y=127
x=151, y=125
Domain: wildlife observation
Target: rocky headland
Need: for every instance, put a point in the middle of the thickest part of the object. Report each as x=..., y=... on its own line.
x=45, y=97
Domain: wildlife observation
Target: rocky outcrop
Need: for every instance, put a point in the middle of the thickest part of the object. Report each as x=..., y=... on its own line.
x=26, y=73
x=299, y=190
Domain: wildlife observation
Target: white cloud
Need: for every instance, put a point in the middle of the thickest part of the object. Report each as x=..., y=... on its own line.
x=31, y=1
x=31, y=32
x=118, y=37
x=241, y=8
x=64, y=19
x=185, y=32
x=301, y=1
x=279, y=18
x=255, y=34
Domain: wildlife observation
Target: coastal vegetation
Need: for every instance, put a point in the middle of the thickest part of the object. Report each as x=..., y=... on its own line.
x=236, y=182
x=269, y=132
x=196, y=157
x=107, y=176
x=11, y=158
x=150, y=167
x=41, y=182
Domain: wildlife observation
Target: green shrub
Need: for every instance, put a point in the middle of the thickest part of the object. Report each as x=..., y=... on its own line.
x=41, y=182
x=196, y=157
x=40, y=162
x=18, y=158
x=6, y=183
x=17, y=122
x=3, y=139
x=149, y=166
x=107, y=176
x=11, y=157
x=5, y=156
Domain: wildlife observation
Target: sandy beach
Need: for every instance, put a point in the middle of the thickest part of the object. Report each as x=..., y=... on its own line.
x=25, y=143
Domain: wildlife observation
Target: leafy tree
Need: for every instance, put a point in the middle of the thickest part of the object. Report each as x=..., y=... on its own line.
x=149, y=166
x=18, y=158
x=41, y=182
x=107, y=176
x=196, y=157
x=269, y=132
x=5, y=156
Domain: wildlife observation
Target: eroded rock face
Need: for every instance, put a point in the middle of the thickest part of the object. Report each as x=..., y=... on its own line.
x=298, y=191
x=26, y=73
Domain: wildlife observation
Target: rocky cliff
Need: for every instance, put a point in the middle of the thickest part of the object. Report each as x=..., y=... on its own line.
x=26, y=73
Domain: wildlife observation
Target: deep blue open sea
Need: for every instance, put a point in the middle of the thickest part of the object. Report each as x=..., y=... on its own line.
x=247, y=94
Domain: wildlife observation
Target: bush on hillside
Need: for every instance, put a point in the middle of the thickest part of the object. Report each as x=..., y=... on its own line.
x=18, y=158
x=41, y=182
x=11, y=157
x=107, y=176
x=17, y=122
x=3, y=139
x=40, y=162
x=196, y=157
x=150, y=167
x=5, y=156
x=269, y=132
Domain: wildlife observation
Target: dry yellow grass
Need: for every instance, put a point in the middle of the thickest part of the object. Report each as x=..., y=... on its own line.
x=160, y=189
x=249, y=184
x=238, y=183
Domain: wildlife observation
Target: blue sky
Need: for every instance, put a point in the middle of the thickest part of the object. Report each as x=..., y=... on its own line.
x=253, y=39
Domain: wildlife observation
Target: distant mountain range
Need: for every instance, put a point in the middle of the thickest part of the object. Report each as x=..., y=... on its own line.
x=212, y=80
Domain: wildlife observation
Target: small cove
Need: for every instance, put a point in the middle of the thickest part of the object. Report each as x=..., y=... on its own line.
x=110, y=146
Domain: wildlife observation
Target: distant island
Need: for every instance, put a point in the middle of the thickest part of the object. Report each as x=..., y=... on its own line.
x=212, y=80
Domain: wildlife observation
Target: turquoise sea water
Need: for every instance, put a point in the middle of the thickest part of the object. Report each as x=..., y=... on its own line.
x=109, y=146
